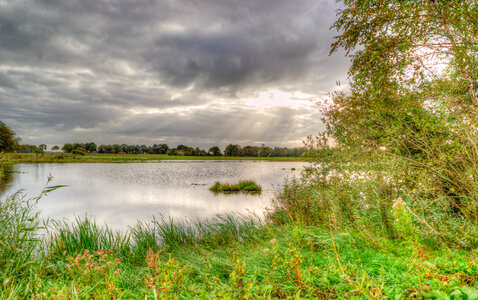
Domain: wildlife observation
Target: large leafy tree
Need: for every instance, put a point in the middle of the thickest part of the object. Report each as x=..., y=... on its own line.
x=413, y=90
x=8, y=141
x=215, y=151
x=414, y=70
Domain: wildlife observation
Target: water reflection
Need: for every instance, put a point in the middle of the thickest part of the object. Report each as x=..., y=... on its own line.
x=6, y=176
x=121, y=194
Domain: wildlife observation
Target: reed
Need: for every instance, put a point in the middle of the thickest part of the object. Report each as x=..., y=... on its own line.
x=20, y=224
x=84, y=234
x=67, y=239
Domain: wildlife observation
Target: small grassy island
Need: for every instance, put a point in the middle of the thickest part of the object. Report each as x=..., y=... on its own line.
x=242, y=186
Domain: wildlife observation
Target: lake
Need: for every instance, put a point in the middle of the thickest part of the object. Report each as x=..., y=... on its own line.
x=121, y=194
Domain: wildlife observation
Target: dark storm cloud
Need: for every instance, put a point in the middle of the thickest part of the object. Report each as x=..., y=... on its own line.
x=121, y=71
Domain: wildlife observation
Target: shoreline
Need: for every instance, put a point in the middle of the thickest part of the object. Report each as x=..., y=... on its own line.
x=11, y=158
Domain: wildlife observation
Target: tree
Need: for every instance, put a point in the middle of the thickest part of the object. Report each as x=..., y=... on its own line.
x=250, y=151
x=214, y=151
x=67, y=148
x=8, y=141
x=42, y=146
x=398, y=51
x=55, y=148
x=117, y=148
x=163, y=149
x=232, y=150
x=413, y=92
x=90, y=147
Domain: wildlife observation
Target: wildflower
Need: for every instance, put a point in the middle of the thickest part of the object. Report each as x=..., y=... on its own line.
x=399, y=202
x=266, y=250
x=273, y=241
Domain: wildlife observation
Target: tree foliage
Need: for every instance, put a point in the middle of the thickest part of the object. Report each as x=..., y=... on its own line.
x=8, y=141
x=413, y=92
x=414, y=70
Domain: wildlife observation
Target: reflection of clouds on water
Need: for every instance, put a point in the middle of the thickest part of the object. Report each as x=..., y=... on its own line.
x=121, y=194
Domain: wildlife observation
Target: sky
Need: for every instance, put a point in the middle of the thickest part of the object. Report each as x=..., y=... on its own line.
x=200, y=73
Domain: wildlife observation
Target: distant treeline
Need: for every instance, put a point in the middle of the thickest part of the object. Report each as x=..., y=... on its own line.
x=10, y=143
x=183, y=150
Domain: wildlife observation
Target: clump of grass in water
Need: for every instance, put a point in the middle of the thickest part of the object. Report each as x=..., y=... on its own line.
x=242, y=186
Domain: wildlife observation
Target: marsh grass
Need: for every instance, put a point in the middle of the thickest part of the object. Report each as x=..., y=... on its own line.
x=19, y=239
x=241, y=186
x=307, y=251
x=84, y=234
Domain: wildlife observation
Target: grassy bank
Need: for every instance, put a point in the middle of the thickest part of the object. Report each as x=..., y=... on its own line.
x=121, y=158
x=319, y=241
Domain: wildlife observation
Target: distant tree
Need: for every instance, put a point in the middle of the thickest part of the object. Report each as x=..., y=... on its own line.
x=117, y=148
x=215, y=151
x=37, y=150
x=108, y=149
x=265, y=151
x=162, y=149
x=55, y=148
x=145, y=149
x=185, y=150
x=29, y=149
x=67, y=148
x=232, y=150
x=124, y=148
x=250, y=151
x=42, y=146
x=8, y=142
x=90, y=147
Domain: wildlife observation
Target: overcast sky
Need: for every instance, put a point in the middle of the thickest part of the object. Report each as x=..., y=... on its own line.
x=201, y=73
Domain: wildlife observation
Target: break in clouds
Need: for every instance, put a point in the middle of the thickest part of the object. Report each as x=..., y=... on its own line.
x=146, y=71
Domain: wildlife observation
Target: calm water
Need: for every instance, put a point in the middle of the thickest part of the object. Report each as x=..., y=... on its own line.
x=121, y=194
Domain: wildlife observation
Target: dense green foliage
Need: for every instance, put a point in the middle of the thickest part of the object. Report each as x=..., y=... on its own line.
x=412, y=105
x=24, y=148
x=8, y=141
x=241, y=186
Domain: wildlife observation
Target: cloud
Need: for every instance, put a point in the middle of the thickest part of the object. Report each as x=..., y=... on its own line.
x=176, y=71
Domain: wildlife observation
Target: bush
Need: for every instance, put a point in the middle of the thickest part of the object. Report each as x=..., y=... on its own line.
x=78, y=152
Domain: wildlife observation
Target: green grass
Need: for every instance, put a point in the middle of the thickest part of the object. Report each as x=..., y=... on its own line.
x=335, y=240
x=122, y=158
x=232, y=257
x=241, y=186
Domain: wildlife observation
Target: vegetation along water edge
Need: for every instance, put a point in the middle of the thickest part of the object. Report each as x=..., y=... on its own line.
x=247, y=186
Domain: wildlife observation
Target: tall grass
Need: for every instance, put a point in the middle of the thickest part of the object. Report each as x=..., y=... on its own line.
x=84, y=234
x=19, y=225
